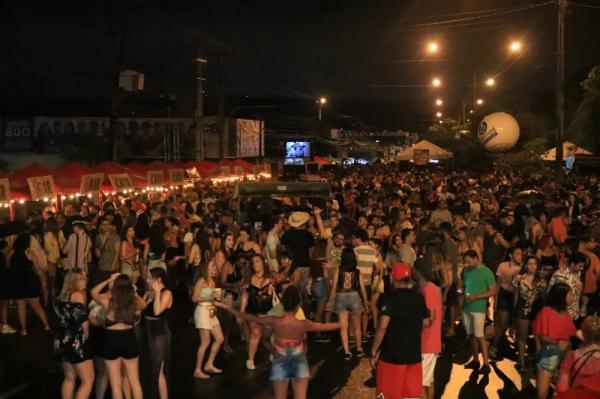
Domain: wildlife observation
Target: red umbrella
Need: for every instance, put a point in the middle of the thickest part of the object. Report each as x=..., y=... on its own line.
x=320, y=160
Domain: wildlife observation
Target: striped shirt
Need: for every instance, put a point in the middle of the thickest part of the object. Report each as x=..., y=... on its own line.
x=366, y=260
x=78, y=249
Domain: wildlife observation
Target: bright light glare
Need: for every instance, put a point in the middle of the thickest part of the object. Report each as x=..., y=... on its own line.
x=433, y=47
x=439, y=102
x=479, y=101
x=323, y=100
x=490, y=82
x=438, y=114
x=436, y=82
x=515, y=46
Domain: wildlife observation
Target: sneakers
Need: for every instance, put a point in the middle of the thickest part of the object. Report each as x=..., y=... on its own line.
x=360, y=353
x=485, y=369
x=6, y=329
x=348, y=356
x=473, y=365
x=250, y=365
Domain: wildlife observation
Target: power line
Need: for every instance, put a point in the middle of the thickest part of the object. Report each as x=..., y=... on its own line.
x=458, y=20
x=582, y=5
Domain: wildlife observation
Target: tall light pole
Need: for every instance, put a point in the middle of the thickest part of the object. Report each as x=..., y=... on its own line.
x=199, y=116
x=321, y=101
x=560, y=81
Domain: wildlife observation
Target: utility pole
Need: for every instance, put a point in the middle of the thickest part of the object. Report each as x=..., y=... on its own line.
x=560, y=82
x=221, y=111
x=474, y=89
x=116, y=93
x=199, y=117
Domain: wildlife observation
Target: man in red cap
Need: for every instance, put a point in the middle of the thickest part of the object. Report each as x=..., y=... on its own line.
x=402, y=318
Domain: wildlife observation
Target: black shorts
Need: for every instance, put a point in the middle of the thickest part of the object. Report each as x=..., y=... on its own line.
x=119, y=343
x=452, y=296
x=506, y=301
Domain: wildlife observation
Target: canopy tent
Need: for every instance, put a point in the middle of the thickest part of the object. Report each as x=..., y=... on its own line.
x=113, y=168
x=568, y=148
x=435, y=152
x=320, y=160
x=315, y=189
x=232, y=163
x=19, y=183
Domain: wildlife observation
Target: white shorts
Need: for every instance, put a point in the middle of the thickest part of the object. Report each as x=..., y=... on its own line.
x=474, y=323
x=202, y=317
x=428, y=361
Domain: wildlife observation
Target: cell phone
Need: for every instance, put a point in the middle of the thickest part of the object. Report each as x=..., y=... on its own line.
x=258, y=226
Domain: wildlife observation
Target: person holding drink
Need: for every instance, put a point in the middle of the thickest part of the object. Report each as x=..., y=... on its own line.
x=205, y=294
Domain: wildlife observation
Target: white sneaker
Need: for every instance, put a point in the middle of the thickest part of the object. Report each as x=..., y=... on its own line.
x=250, y=364
x=6, y=329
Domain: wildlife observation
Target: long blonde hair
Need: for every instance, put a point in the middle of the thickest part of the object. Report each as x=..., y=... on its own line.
x=69, y=286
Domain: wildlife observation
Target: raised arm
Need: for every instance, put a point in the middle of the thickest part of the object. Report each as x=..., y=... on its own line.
x=102, y=299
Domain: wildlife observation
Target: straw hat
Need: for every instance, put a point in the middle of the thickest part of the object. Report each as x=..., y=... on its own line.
x=297, y=219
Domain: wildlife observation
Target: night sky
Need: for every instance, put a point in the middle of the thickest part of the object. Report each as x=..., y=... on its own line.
x=290, y=51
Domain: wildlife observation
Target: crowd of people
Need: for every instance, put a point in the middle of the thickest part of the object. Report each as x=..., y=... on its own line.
x=393, y=262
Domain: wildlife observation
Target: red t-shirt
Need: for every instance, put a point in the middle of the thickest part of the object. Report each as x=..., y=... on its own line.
x=431, y=336
x=554, y=325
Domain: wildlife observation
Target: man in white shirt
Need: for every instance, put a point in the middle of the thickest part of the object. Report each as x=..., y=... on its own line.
x=272, y=245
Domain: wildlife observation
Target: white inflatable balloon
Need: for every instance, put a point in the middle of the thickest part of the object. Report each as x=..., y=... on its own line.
x=498, y=132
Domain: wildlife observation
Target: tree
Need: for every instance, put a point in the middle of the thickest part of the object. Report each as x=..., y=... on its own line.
x=585, y=126
x=527, y=158
x=458, y=138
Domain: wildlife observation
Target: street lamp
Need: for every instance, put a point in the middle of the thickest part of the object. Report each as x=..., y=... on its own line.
x=438, y=114
x=439, y=102
x=436, y=82
x=321, y=101
x=490, y=82
x=479, y=101
x=433, y=48
x=515, y=46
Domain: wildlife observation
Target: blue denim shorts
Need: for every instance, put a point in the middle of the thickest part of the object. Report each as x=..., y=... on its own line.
x=291, y=366
x=549, y=358
x=319, y=289
x=348, y=302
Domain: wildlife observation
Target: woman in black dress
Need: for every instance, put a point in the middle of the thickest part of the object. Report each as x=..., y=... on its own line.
x=72, y=342
x=5, y=290
x=27, y=280
x=159, y=300
x=257, y=300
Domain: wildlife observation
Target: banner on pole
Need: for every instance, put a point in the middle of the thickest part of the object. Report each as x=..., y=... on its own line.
x=41, y=187
x=193, y=173
x=155, y=178
x=4, y=190
x=121, y=181
x=176, y=176
x=91, y=183
x=238, y=171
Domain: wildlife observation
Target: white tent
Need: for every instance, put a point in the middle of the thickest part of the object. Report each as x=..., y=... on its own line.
x=568, y=148
x=435, y=152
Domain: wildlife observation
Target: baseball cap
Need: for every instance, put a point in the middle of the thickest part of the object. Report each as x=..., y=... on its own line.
x=401, y=271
